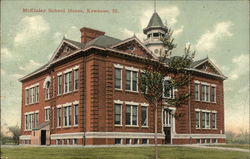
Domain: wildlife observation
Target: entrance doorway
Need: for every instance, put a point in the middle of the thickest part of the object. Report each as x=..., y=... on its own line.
x=167, y=131
x=43, y=137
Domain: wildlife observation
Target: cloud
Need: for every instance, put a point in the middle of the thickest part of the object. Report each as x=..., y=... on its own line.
x=6, y=53
x=178, y=31
x=209, y=39
x=31, y=65
x=3, y=73
x=128, y=33
x=17, y=76
x=30, y=28
x=57, y=37
x=241, y=65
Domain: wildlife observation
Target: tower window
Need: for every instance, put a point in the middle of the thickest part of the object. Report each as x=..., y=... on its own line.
x=155, y=34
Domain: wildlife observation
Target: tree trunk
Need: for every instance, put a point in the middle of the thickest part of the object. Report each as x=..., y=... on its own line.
x=156, y=122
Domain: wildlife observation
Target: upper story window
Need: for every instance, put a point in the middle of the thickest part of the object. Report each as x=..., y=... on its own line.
x=168, y=91
x=205, y=92
x=205, y=120
x=47, y=87
x=67, y=82
x=214, y=120
x=76, y=114
x=131, y=115
x=47, y=113
x=59, y=117
x=213, y=94
x=76, y=79
x=32, y=94
x=131, y=80
x=59, y=85
x=197, y=91
x=67, y=116
x=197, y=119
x=118, y=78
x=144, y=116
x=118, y=114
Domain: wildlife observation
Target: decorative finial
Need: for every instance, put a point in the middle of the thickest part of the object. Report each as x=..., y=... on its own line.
x=154, y=5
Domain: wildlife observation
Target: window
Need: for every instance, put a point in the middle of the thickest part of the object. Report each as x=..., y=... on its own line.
x=118, y=114
x=47, y=90
x=68, y=82
x=59, y=85
x=144, y=141
x=76, y=115
x=203, y=92
x=37, y=93
x=32, y=95
x=144, y=116
x=118, y=141
x=30, y=98
x=167, y=117
x=168, y=91
x=207, y=120
x=131, y=80
x=198, y=141
x=214, y=120
x=26, y=96
x=76, y=81
x=67, y=116
x=203, y=119
x=59, y=117
x=213, y=94
x=197, y=91
x=118, y=78
x=215, y=141
x=127, y=141
x=136, y=141
x=197, y=119
x=207, y=93
x=31, y=121
x=74, y=141
x=131, y=115
x=155, y=34
x=36, y=120
x=47, y=111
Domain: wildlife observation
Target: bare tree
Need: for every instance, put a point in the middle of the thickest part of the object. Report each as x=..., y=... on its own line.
x=155, y=71
x=15, y=132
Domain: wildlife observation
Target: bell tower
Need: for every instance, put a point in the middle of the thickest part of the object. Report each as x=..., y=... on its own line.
x=154, y=31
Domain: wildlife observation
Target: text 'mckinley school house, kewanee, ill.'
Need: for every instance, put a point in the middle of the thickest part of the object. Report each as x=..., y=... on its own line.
x=87, y=94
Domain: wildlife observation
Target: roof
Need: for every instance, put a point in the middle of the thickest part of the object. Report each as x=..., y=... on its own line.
x=102, y=41
x=195, y=63
x=76, y=43
x=155, y=22
x=42, y=125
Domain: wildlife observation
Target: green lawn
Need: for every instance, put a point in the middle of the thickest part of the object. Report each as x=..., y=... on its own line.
x=241, y=146
x=118, y=153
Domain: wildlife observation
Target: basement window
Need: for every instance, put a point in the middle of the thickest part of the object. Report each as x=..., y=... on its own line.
x=118, y=141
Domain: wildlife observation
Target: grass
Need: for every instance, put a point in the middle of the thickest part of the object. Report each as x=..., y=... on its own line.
x=241, y=146
x=117, y=153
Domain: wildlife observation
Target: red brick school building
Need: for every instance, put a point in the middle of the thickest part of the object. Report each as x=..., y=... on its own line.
x=87, y=94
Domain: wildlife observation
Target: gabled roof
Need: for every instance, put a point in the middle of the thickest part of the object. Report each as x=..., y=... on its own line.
x=155, y=22
x=131, y=39
x=102, y=41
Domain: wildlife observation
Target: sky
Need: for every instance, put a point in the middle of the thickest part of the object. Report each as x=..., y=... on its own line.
x=217, y=29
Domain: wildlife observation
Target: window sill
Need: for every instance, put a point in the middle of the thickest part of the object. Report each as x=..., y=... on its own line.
x=28, y=130
x=67, y=126
x=145, y=126
x=116, y=89
x=59, y=127
x=198, y=128
x=75, y=125
x=129, y=91
x=133, y=126
x=118, y=125
x=31, y=104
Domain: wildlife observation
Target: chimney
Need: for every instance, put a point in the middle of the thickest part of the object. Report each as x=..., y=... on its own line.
x=88, y=34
